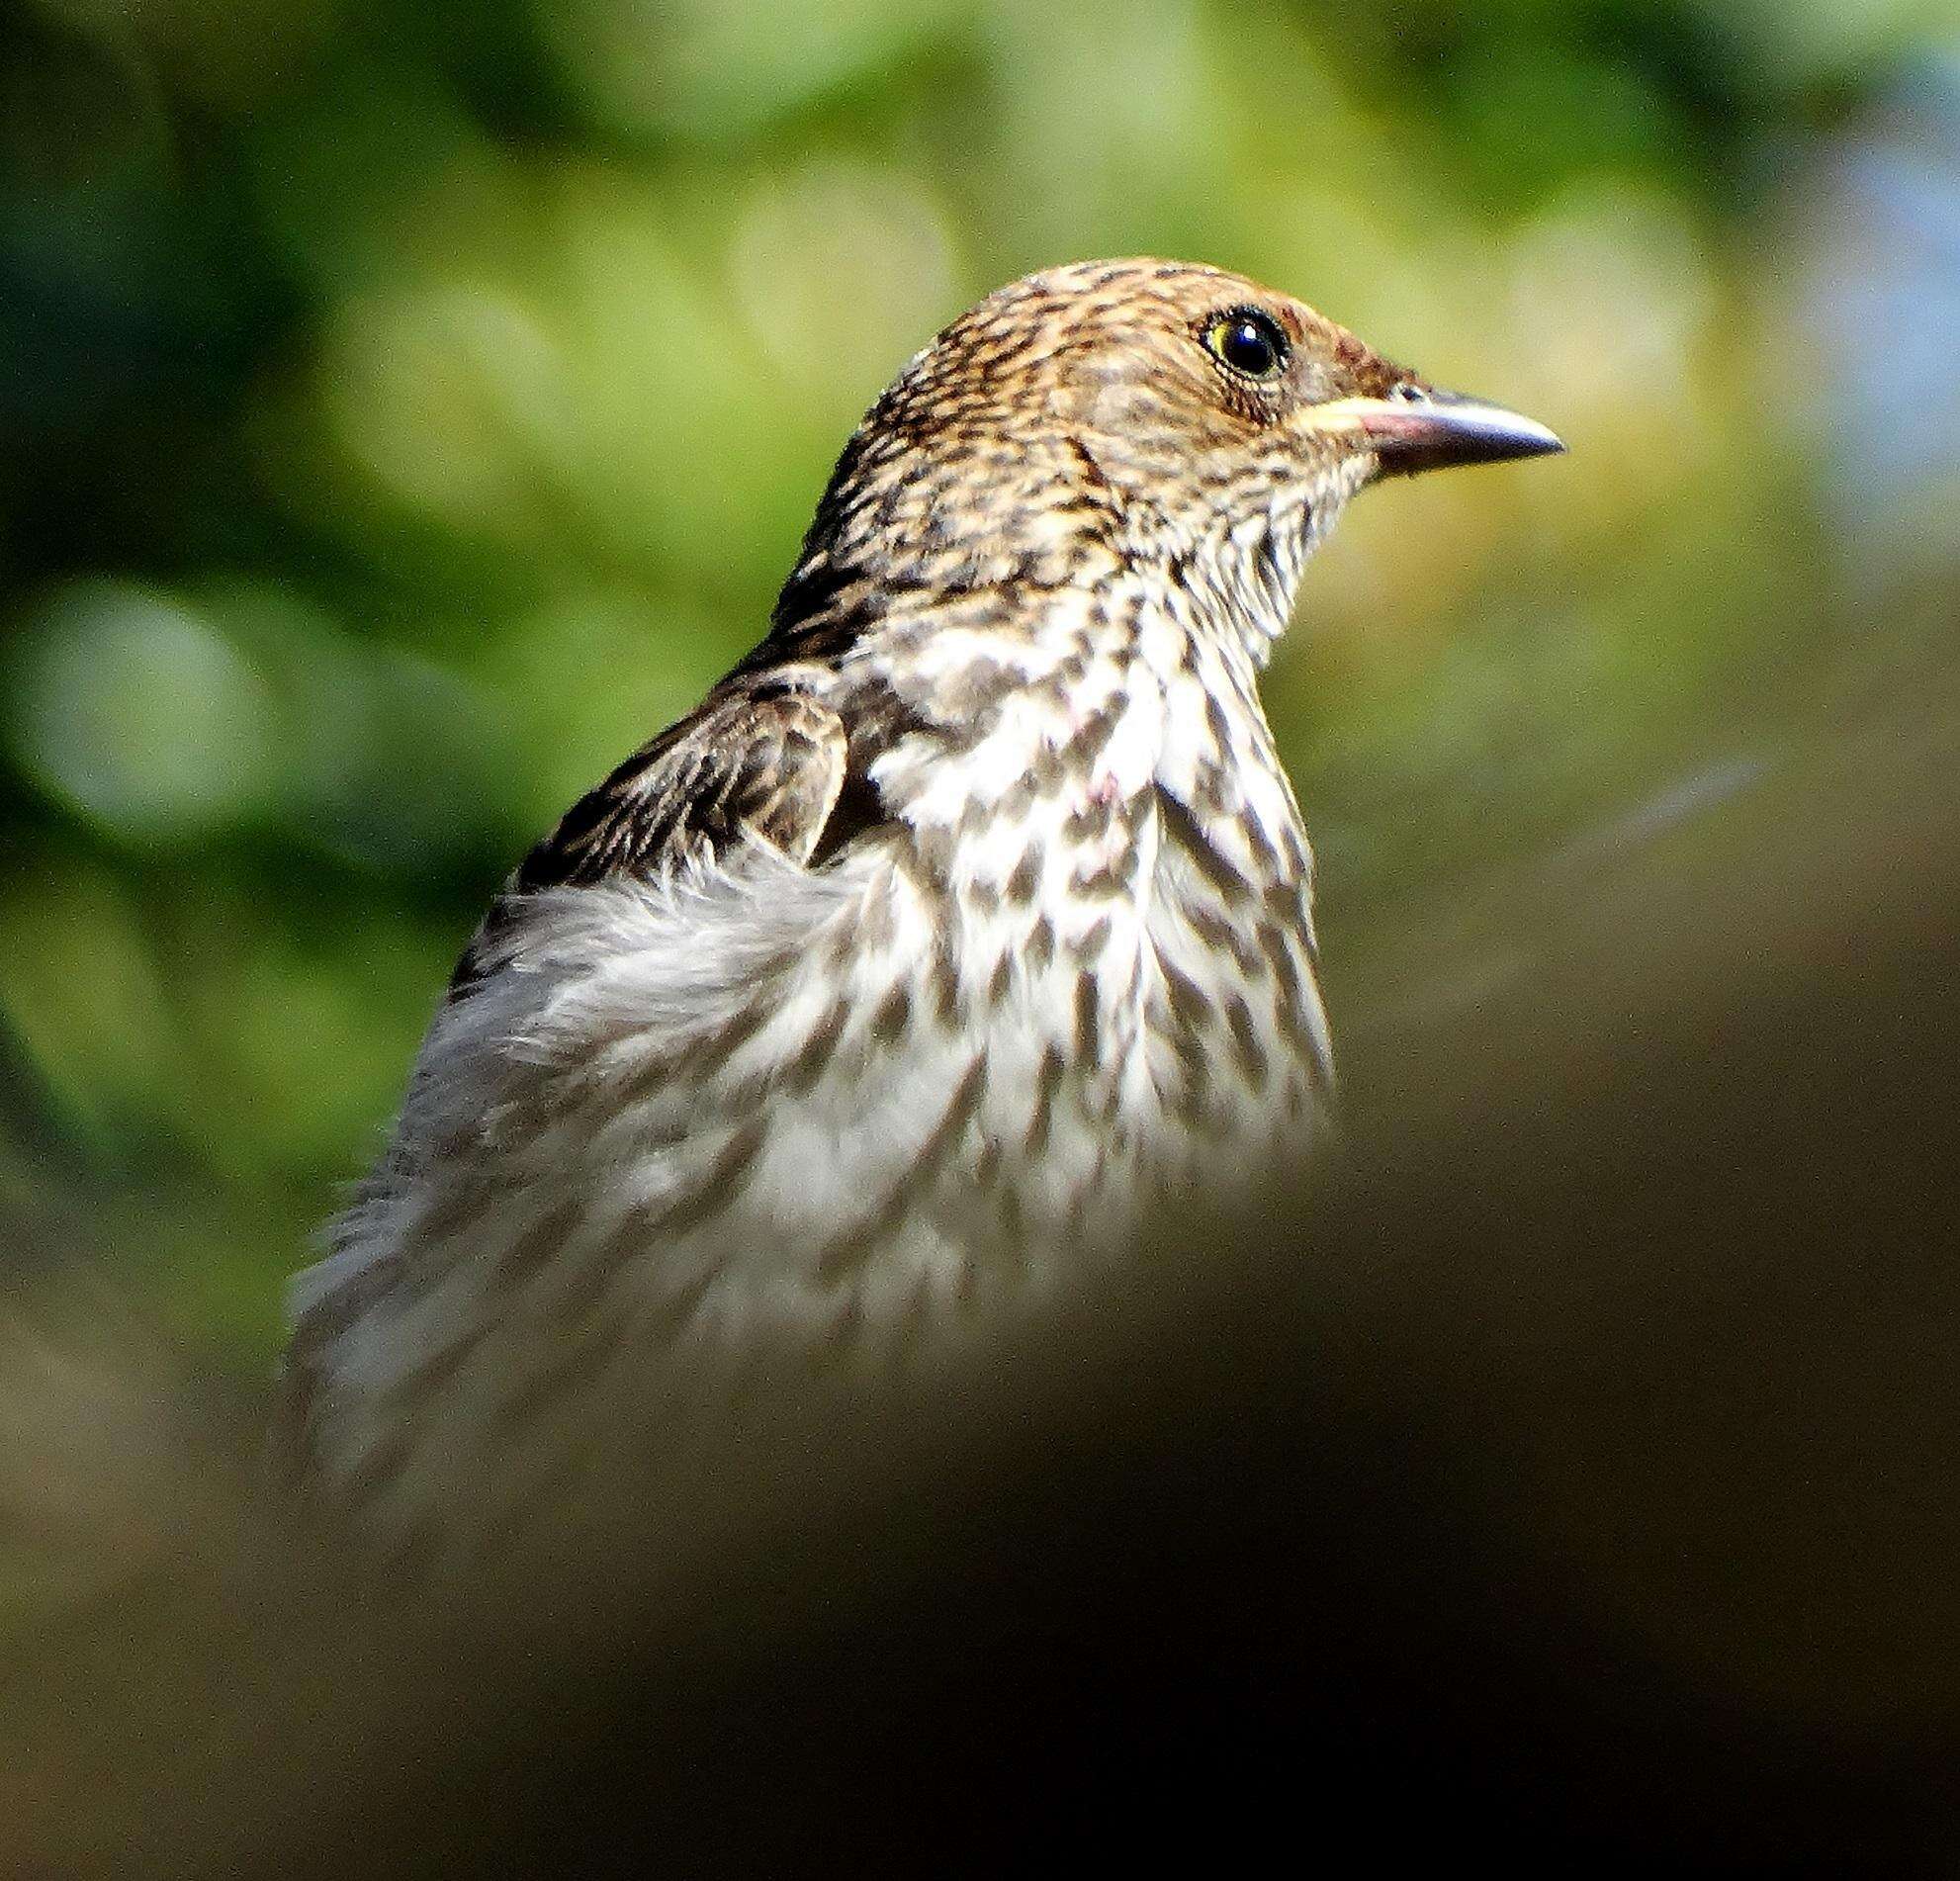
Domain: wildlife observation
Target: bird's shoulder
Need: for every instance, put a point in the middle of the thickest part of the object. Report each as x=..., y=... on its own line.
x=756, y=761
x=763, y=761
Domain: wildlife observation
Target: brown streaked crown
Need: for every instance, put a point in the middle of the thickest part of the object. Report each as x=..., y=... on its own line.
x=1112, y=357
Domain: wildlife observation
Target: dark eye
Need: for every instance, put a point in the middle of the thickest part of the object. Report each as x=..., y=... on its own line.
x=1408, y=393
x=1249, y=342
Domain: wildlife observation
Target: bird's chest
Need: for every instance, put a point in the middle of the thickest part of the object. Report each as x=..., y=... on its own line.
x=1118, y=886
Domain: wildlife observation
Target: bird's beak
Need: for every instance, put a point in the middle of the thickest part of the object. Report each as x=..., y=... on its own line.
x=1435, y=430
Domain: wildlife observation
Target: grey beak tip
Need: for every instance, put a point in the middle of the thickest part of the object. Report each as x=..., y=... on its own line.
x=1449, y=429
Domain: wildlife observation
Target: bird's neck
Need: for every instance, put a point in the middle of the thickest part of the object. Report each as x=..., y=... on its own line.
x=1238, y=578
x=1005, y=583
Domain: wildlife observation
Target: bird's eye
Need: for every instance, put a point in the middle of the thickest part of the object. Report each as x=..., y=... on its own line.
x=1249, y=342
x=1410, y=392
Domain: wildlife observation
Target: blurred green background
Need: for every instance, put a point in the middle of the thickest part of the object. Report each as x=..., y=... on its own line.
x=407, y=410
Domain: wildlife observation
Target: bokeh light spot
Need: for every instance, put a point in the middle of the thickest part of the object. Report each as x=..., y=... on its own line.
x=138, y=712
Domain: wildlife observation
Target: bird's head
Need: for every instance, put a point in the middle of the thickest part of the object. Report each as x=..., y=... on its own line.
x=1162, y=409
x=1202, y=391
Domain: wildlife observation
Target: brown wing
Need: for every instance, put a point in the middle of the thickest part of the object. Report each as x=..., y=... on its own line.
x=759, y=760
x=766, y=764
x=763, y=762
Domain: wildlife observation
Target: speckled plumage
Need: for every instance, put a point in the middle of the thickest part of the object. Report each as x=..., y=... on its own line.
x=966, y=921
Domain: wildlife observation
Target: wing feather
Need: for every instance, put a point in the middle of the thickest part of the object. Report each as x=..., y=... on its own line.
x=759, y=763
x=766, y=764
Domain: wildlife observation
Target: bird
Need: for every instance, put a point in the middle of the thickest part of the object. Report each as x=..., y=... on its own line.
x=967, y=923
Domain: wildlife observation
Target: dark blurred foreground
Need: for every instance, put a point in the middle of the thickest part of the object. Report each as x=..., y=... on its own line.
x=1570, y=1482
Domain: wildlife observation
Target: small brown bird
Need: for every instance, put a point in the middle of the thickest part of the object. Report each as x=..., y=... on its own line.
x=964, y=923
